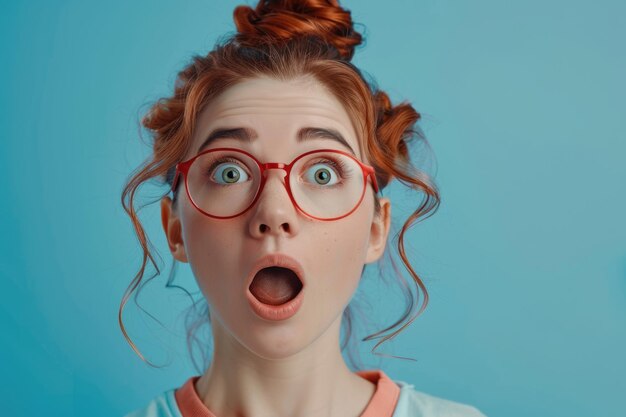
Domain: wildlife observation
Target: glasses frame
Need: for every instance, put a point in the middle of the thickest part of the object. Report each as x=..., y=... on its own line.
x=182, y=168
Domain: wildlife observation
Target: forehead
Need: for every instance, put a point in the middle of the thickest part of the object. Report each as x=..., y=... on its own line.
x=276, y=110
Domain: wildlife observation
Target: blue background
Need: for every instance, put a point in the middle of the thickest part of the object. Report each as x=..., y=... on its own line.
x=525, y=261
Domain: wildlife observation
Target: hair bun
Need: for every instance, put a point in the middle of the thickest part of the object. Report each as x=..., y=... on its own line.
x=281, y=20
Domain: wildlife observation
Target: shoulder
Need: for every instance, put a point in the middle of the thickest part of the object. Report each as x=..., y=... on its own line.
x=415, y=403
x=163, y=405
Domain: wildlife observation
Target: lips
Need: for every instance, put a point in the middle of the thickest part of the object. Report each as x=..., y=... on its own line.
x=280, y=312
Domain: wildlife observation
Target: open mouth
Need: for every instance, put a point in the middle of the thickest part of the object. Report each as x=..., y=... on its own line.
x=275, y=285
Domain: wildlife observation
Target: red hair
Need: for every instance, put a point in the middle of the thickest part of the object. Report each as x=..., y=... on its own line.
x=286, y=39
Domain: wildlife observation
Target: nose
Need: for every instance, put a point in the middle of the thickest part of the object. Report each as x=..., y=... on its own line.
x=274, y=212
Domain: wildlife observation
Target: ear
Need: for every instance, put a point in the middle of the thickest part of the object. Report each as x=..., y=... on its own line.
x=379, y=232
x=173, y=229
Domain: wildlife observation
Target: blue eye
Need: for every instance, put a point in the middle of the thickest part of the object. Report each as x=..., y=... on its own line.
x=229, y=173
x=323, y=175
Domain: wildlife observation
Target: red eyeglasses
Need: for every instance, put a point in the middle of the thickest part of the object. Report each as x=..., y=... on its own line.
x=333, y=191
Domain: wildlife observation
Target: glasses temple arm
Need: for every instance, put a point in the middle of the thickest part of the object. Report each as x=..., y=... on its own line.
x=175, y=180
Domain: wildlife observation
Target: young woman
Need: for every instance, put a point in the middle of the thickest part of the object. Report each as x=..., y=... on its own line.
x=276, y=150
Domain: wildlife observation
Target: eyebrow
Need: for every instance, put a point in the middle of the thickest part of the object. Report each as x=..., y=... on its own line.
x=248, y=135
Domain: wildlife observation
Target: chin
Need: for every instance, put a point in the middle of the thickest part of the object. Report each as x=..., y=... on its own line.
x=276, y=343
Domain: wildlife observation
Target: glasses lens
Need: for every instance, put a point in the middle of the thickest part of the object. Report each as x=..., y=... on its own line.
x=324, y=184
x=223, y=183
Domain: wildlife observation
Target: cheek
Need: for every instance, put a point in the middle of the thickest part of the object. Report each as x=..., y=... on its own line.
x=341, y=255
x=210, y=245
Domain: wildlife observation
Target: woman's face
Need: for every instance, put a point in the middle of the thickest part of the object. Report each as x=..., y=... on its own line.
x=221, y=253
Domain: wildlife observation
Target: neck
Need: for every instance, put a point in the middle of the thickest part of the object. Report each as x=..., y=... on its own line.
x=311, y=381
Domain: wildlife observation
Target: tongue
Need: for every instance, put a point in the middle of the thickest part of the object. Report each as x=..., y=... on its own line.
x=275, y=285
